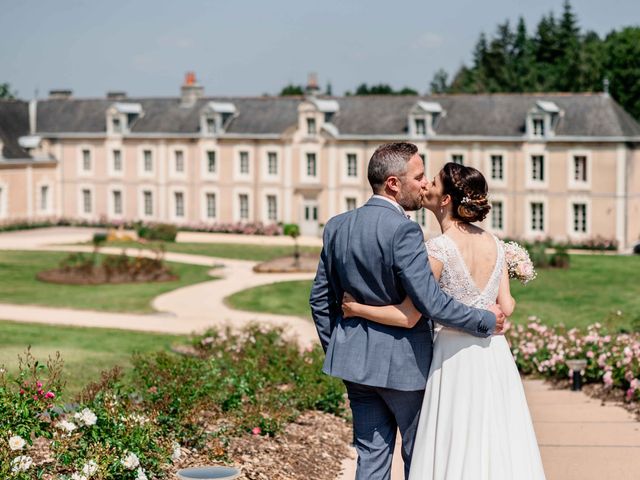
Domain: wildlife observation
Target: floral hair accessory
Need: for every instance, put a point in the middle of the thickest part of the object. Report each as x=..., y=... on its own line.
x=465, y=200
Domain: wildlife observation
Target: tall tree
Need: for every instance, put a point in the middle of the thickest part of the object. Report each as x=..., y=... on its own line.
x=523, y=59
x=439, y=82
x=291, y=89
x=569, y=73
x=6, y=92
x=622, y=67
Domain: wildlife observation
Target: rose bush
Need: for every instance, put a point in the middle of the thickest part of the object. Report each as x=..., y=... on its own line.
x=251, y=382
x=612, y=359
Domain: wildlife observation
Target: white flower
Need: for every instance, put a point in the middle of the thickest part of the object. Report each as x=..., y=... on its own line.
x=16, y=443
x=77, y=476
x=89, y=468
x=66, y=426
x=86, y=417
x=141, y=475
x=139, y=419
x=131, y=461
x=21, y=464
x=177, y=451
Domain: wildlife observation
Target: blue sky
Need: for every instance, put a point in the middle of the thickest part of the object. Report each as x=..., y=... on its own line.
x=251, y=47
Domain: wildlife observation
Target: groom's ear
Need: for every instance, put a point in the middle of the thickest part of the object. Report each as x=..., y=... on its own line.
x=393, y=184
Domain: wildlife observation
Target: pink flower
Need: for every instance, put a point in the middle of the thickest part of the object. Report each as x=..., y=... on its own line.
x=590, y=354
x=39, y=384
x=607, y=379
x=256, y=431
x=50, y=394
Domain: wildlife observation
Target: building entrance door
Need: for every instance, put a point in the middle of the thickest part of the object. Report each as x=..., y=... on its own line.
x=309, y=218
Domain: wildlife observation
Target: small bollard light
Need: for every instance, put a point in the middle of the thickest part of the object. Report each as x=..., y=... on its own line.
x=208, y=473
x=576, y=366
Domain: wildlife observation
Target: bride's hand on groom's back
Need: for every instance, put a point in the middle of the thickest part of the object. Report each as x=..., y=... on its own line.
x=500, y=318
x=348, y=304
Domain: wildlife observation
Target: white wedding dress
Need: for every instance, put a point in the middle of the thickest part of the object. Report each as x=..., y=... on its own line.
x=475, y=422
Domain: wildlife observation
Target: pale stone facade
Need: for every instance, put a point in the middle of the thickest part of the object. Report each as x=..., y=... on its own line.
x=304, y=160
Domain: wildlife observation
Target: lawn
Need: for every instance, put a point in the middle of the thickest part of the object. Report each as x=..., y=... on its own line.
x=258, y=253
x=85, y=351
x=19, y=285
x=290, y=298
x=591, y=291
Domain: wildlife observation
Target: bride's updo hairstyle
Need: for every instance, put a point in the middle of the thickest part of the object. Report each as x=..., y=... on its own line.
x=468, y=190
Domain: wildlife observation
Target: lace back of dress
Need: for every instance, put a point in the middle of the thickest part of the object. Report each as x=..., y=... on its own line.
x=456, y=279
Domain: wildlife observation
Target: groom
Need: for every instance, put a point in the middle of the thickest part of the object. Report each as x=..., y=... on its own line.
x=378, y=255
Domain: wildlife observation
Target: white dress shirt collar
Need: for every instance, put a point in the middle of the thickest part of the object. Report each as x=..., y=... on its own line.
x=392, y=202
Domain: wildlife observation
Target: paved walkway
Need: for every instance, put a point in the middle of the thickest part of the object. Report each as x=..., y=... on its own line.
x=579, y=439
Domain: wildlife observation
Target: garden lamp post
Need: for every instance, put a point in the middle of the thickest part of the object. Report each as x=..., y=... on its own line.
x=576, y=366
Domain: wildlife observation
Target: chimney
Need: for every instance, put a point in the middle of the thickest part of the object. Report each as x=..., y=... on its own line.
x=116, y=95
x=312, y=84
x=190, y=91
x=60, y=94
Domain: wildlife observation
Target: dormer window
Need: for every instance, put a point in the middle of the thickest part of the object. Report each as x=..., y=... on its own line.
x=215, y=117
x=424, y=118
x=121, y=116
x=543, y=119
x=538, y=127
x=311, y=126
x=211, y=125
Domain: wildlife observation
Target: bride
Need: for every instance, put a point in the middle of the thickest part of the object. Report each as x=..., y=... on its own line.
x=474, y=423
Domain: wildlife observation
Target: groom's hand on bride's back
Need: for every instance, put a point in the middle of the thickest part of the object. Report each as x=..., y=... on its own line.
x=500, y=318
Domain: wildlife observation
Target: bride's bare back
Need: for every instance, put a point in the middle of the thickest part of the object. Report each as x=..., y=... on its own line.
x=478, y=250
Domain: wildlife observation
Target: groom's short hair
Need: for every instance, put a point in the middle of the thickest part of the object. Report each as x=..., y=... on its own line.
x=389, y=160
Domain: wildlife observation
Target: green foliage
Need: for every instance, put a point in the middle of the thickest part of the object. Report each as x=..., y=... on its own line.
x=291, y=90
x=383, y=89
x=292, y=230
x=560, y=258
x=557, y=56
x=6, y=92
x=227, y=386
x=159, y=231
x=99, y=238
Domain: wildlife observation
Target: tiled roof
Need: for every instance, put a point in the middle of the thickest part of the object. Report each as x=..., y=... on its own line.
x=497, y=115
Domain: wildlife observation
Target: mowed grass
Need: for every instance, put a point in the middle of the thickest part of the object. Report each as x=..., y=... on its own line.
x=590, y=291
x=258, y=253
x=85, y=351
x=287, y=298
x=18, y=284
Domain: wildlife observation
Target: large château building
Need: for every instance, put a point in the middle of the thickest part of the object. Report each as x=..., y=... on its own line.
x=565, y=166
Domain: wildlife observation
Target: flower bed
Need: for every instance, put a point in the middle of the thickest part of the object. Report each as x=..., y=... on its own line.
x=172, y=410
x=612, y=359
x=248, y=228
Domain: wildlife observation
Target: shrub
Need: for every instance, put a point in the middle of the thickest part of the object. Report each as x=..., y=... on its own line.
x=130, y=427
x=560, y=258
x=612, y=359
x=159, y=231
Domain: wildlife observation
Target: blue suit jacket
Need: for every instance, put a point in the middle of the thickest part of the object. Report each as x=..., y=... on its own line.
x=378, y=255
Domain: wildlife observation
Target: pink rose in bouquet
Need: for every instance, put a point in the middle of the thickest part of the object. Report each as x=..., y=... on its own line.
x=519, y=263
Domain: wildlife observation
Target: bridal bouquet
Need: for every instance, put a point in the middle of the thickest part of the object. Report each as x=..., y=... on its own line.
x=519, y=263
